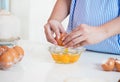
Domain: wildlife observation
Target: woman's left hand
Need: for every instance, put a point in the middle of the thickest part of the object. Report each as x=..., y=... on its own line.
x=84, y=35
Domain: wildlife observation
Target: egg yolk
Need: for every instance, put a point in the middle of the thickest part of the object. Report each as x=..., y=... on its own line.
x=65, y=57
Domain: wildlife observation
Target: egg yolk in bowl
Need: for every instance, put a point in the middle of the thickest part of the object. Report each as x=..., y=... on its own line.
x=65, y=55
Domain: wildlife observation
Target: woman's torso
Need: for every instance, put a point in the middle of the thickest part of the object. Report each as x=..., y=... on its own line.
x=95, y=13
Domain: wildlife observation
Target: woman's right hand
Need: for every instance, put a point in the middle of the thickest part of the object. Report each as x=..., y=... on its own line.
x=51, y=28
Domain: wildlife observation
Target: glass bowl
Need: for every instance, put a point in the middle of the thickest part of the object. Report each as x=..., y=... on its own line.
x=65, y=55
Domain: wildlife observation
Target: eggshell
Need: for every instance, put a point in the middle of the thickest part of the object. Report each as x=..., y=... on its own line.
x=117, y=65
x=59, y=40
x=109, y=65
x=20, y=52
x=13, y=53
x=6, y=61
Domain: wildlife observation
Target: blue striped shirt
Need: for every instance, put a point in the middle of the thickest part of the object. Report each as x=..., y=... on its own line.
x=95, y=13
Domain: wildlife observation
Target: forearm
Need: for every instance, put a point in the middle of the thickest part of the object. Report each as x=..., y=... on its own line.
x=61, y=10
x=112, y=27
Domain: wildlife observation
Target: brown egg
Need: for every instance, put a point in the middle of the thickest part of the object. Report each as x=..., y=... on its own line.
x=20, y=52
x=5, y=48
x=59, y=40
x=10, y=56
x=13, y=53
x=117, y=65
x=6, y=60
x=109, y=65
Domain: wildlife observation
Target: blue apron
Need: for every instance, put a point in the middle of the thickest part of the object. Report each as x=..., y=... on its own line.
x=95, y=13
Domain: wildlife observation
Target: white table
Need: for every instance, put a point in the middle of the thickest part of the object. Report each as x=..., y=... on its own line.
x=38, y=66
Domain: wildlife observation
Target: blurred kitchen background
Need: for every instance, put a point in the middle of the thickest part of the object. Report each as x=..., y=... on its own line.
x=33, y=14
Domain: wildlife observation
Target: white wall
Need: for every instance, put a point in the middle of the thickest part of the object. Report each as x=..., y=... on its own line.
x=33, y=15
x=21, y=8
x=39, y=13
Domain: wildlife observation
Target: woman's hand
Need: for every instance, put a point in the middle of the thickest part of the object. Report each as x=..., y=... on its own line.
x=51, y=28
x=84, y=35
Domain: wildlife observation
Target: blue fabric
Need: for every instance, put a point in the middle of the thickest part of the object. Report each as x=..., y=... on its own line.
x=95, y=13
x=119, y=6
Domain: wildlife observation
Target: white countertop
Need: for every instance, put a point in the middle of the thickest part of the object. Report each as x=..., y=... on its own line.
x=38, y=66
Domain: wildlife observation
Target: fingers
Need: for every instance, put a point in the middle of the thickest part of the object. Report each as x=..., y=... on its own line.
x=62, y=30
x=75, y=33
x=54, y=27
x=49, y=34
x=76, y=41
x=78, y=37
x=72, y=37
x=51, y=28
